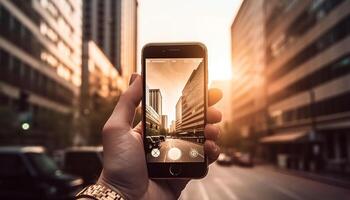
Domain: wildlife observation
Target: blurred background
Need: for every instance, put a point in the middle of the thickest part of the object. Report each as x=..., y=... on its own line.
x=283, y=66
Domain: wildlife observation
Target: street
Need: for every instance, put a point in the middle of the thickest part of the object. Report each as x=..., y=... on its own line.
x=260, y=182
x=177, y=150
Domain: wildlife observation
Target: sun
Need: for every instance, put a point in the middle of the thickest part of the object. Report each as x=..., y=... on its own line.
x=219, y=70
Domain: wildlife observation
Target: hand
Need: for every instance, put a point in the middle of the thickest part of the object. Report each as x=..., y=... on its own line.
x=124, y=163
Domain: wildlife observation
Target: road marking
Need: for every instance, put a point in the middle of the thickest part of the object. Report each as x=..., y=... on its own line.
x=168, y=146
x=228, y=191
x=234, y=180
x=203, y=191
x=286, y=192
x=274, y=185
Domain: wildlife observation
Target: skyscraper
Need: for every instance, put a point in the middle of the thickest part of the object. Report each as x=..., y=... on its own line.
x=192, y=115
x=155, y=100
x=153, y=118
x=248, y=65
x=178, y=114
x=112, y=25
x=164, y=122
x=102, y=24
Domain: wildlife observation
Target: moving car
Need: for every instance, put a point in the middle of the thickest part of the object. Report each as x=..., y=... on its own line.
x=224, y=159
x=243, y=159
x=85, y=161
x=28, y=173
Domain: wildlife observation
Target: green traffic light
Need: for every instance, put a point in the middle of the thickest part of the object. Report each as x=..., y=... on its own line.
x=25, y=126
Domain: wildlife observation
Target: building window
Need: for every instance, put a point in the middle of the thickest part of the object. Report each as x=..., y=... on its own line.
x=338, y=32
x=343, y=145
x=336, y=69
x=330, y=146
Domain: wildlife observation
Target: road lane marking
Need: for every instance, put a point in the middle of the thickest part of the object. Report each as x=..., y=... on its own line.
x=203, y=191
x=169, y=145
x=286, y=192
x=234, y=180
x=228, y=191
x=255, y=175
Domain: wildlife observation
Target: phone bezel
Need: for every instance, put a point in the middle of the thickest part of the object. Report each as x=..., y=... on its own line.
x=176, y=50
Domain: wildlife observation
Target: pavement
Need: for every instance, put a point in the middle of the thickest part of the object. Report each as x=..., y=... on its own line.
x=177, y=150
x=260, y=182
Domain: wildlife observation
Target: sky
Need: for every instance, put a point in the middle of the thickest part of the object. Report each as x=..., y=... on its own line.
x=206, y=21
x=162, y=74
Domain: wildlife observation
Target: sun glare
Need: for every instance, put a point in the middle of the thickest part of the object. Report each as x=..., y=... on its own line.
x=203, y=21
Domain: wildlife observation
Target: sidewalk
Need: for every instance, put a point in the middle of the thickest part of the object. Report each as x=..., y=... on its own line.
x=331, y=179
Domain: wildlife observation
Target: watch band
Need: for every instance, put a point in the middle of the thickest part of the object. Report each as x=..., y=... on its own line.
x=99, y=192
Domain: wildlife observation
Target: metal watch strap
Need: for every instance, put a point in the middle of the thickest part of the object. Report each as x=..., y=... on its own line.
x=99, y=192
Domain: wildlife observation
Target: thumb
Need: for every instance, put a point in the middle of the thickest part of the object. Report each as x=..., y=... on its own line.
x=124, y=112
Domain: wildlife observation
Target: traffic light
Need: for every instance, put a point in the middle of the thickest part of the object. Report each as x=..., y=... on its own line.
x=23, y=101
x=25, y=120
x=25, y=115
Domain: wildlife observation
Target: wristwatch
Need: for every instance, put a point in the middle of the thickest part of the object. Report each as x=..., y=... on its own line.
x=99, y=192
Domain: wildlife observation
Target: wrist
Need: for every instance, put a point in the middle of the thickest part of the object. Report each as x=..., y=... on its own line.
x=104, y=183
x=99, y=192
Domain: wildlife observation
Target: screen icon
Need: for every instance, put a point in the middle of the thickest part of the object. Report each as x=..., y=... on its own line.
x=174, y=153
x=193, y=153
x=155, y=153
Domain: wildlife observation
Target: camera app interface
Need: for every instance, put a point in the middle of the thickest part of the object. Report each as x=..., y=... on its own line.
x=175, y=110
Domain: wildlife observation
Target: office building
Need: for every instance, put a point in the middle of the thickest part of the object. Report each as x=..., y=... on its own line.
x=172, y=126
x=178, y=117
x=192, y=104
x=100, y=80
x=153, y=118
x=248, y=60
x=128, y=58
x=40, y=53
x=164, y=123
x=308, y=61
x=112, y=25
x=101, y=86
x=155, y=100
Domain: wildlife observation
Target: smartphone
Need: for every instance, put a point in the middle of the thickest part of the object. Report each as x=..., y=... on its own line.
x=174, y=108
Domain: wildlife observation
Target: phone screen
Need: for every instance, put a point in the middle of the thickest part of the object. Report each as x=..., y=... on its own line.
x=175, y=110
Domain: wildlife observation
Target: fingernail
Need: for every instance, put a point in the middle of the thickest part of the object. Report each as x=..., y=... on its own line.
x=132, y=78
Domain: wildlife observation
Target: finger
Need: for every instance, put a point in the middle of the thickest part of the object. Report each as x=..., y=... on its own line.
x=211, y=132
x=214, y=95
x=124, y=111
x=138, y=127
x=177, y=185
x=213, y=115
x=212, y=150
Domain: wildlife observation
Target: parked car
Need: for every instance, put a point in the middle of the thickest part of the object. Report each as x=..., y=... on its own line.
x=243, y=159
x=85, y=162
x=224, y=159
x=162, y=138
x=29, y=173
x=152, y=142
